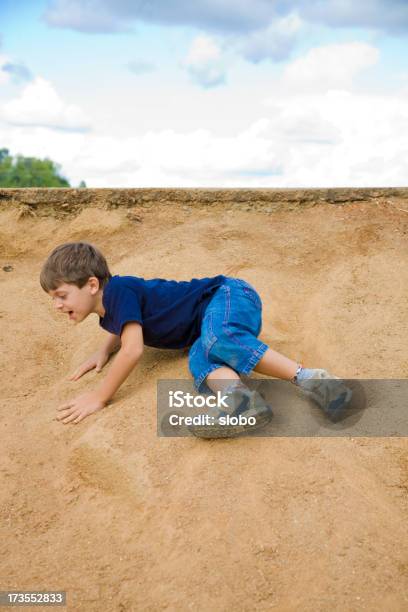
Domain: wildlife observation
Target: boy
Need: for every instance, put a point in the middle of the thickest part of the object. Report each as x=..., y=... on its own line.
x=218, y=318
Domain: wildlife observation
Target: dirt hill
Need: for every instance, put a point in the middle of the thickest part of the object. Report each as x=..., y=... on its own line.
x=124, y=520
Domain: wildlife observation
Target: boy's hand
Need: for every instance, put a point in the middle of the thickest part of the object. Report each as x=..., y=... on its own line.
x=97, y=360
x=80, y=407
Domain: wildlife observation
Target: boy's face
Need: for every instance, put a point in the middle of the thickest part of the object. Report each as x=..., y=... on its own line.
x=77, y=303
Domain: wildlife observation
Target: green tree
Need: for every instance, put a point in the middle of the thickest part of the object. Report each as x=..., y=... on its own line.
x=23, y=171
x=3, y=153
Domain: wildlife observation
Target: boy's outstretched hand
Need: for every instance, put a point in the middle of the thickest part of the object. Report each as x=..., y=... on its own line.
x=97, y=361
x=80, y=407
x=131, y=349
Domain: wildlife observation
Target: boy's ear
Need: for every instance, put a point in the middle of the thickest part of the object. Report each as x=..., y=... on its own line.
x=93, y=283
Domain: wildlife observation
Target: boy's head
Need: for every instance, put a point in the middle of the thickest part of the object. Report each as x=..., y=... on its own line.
x=74, y=275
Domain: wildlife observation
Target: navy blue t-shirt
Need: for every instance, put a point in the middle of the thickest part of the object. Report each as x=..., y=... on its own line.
x=169, y=311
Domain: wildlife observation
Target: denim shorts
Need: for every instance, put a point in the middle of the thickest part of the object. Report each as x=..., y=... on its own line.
x=230, y=327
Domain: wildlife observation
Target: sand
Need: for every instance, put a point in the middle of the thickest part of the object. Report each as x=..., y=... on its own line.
x=124, y=520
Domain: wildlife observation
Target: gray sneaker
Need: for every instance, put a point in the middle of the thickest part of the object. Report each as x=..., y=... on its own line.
x=328, y=391
x=242, y=404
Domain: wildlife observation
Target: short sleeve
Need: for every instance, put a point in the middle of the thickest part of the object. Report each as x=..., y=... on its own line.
x=122, y=306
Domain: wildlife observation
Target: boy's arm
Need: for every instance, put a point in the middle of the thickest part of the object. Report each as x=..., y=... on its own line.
x=126, y=359
x=99, y=358
x=111, y=344
x=129, y=354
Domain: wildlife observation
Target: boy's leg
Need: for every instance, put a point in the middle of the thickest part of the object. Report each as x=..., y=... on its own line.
x=222, y=377
x=229, y=338
x=328, y=391
x=275, y=364
x=238, y=401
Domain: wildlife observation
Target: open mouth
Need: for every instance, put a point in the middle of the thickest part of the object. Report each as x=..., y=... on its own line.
x=71, y=314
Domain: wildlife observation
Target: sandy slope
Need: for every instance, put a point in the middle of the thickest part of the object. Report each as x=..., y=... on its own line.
x=124, y=520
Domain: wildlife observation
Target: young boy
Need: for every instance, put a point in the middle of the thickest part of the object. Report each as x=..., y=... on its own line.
x=218, y=318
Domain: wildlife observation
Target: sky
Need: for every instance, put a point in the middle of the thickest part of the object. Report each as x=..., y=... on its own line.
x=210, y=93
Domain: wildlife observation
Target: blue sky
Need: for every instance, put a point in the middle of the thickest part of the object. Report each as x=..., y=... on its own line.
x=260, y=93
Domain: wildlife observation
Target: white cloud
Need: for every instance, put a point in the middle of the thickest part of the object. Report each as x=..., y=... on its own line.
x=275, y=42
x=338, y=138
x=202, y=51
x=203, y=62
x=18, y=72
x=324, y=140
x=386, y=15
x=111, y=15
x=40, y=105
x=85, y=16
x=327, y=135
x=164, y=158
x=225, y=15
x=329, y=67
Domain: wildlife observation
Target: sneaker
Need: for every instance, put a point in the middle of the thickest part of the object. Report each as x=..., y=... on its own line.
x=242, y=402
x=328, y=391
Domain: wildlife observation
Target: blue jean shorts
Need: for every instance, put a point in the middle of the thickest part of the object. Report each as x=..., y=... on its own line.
x=230, y=327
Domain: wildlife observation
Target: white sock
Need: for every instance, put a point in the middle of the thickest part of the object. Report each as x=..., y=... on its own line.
x=303, y=374
x=236, y=384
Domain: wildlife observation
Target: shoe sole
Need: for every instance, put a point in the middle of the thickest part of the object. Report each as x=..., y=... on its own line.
x=337, y=407
x=263, y=416
x=355, y=402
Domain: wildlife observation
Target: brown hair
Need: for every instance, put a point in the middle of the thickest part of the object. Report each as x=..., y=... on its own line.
x=74, y=263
